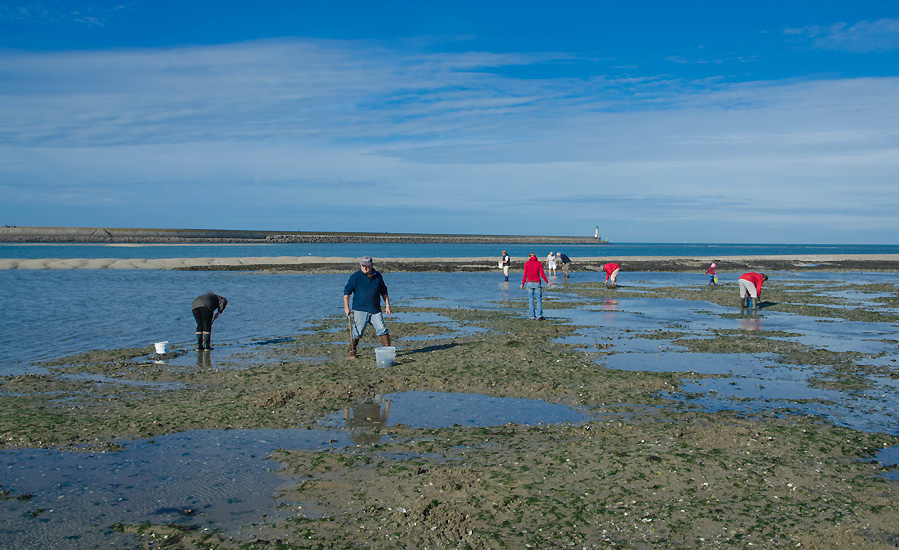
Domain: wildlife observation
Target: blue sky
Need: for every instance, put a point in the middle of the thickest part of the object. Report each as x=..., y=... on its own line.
x=657, y=121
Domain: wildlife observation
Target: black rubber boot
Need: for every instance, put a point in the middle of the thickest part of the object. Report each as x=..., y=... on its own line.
x=199, y=341
x=207, y=344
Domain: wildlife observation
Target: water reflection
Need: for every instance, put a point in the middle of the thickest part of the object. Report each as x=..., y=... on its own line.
x=750, y=323
x=364, y=419
x=428, y=409
x=204, y=359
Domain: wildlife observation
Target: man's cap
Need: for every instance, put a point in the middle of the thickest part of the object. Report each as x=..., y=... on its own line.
x=366, y=261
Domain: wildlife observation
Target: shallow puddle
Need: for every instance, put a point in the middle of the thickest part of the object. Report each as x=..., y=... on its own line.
x=889, y=457
x=453, y=328
x=703, y=363
x=417, y=409
x=82, y=377
x=205, y=479
x=237, y=355
x=856, y=412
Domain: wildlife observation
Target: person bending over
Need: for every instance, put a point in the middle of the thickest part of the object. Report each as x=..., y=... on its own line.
x=206, y=309
x=751, y=289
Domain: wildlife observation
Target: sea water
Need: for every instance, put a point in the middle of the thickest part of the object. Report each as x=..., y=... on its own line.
x=424, y=250
x=47, y=314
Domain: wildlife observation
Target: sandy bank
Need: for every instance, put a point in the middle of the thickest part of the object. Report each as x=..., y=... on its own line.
x=319, y=264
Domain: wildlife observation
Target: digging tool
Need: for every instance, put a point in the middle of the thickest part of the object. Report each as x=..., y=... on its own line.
x=349, y=319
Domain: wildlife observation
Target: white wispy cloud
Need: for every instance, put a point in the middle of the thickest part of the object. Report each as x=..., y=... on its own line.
x=49, y=13
x=881, y=35
x=313, y=129
x=257, y=90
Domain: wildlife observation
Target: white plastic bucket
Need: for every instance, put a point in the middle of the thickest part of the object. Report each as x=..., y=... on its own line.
x=162, y=347
x=386, y=357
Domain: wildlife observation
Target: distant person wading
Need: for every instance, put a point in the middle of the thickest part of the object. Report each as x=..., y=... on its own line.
x=506, y=263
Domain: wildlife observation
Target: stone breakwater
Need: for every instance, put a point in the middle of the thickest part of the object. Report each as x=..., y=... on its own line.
x=214, y=236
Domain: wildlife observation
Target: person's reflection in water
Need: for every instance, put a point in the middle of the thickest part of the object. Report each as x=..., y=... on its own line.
x=363, y=418
x=204, y=359
x=753, y=323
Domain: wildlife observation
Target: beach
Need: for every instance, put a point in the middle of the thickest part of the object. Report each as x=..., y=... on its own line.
x=703, y=428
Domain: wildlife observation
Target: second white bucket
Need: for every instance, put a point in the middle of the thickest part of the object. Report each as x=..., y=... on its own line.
x=162, y=347
x=386, y=356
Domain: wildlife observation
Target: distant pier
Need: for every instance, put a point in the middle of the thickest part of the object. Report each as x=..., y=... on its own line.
x=212, y=236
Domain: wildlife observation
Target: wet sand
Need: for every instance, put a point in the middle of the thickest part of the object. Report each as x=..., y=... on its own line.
x=647, y=472
x=318, y=264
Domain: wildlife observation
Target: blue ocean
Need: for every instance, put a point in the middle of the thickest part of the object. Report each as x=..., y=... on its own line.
x=416, y=250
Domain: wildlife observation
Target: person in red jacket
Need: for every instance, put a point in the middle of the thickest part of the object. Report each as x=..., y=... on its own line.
x=751, y=286
x=611, y=273
x=533, y=272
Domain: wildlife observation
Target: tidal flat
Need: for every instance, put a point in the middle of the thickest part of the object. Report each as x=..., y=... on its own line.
x=661, y=459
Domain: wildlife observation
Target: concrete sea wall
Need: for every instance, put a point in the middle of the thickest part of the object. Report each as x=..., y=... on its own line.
x=139, y=235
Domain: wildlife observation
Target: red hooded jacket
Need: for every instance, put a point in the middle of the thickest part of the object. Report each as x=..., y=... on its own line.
x=755, y=278
x=609, y=269
x=533, y=271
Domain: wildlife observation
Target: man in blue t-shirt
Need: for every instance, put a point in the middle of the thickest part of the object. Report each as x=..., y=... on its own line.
x=565, y=261
x=367, y=287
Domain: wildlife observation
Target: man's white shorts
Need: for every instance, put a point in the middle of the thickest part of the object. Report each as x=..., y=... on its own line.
x=747, y=287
